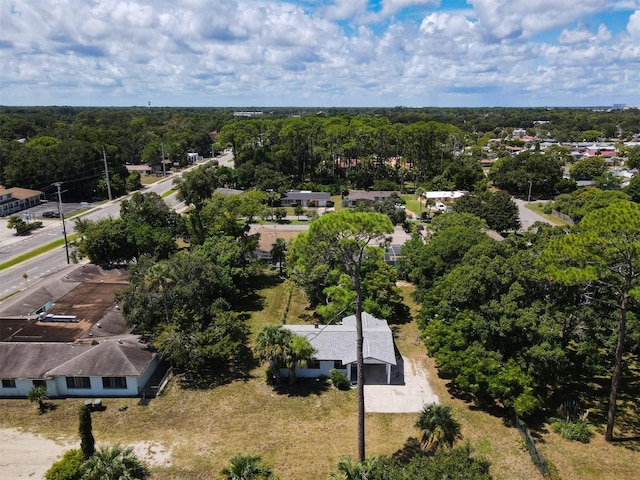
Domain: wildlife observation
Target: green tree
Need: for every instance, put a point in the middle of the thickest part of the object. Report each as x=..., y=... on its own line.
x=279, y=214
x=278, y=252
x=297, y=354
x=604, y=255
x=38, y=394
x=588, y=168
x=113, y=462
x=270, y=345
x=85, y=430
x=282, y=348
x=298, y=210
x=345, y=237
x=15, y=221
x=438, y=427
x=501, y=213
x=69, y=467
x=247, y=467
x=350, y=470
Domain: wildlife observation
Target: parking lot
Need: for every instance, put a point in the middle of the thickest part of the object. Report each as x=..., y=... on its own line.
x=37, y=212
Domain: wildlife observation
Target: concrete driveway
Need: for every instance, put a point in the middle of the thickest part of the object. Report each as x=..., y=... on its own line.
x=409, y=397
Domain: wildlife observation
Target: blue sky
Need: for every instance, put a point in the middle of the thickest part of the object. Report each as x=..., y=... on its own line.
x=259, y=53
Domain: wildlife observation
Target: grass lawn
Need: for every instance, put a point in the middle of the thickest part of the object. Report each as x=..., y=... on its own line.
x=150, y=179
x=303, y=432
x=412, y=204
x=539, y=209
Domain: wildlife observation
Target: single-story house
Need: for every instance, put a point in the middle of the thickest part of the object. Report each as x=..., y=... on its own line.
x=69, y=335
x=305, y=198
x=336, y=349
x=445, y=196
x=367, y=196
x=144, y=170
x=113, y=367
x=15, y=199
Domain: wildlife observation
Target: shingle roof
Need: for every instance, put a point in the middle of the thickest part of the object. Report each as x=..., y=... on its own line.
x=338, y=342
x=33, y=360
x=306, y=195
x=126, y=357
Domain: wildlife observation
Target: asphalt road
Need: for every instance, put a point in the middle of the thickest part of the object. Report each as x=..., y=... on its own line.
x=55, y=261
x=529, y=217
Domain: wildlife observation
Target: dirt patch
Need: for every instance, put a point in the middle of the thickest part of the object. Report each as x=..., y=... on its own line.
x=25, y=455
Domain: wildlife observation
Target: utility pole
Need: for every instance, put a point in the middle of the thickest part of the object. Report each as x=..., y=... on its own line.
x=164, y=174
x=106, y=172
x=64, y=228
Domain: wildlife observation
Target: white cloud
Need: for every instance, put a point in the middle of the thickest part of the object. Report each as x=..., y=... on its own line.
x=268, y=52
x=524, y=18
x=633, y=27
x=344, y=9
x=391, y=7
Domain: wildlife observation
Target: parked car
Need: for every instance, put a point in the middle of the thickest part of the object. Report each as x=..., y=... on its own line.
x=51, y=214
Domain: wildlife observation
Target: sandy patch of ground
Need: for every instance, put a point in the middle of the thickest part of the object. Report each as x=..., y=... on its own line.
x=25, y=455
x=152, y=453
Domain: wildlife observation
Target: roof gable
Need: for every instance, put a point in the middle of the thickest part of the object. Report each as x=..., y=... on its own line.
x=123, y=357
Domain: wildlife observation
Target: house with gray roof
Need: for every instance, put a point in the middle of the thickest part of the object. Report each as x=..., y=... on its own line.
x=367, y=196
x=113, y=367
x=336, y=349
x=305, y=198
x=68, y=334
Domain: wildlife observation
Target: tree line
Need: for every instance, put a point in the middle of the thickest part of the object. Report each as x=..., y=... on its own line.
x=531, y=322
x=282, y=149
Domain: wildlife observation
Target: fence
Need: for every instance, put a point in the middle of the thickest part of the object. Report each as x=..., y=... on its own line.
x=547, y=469
x=564, y=217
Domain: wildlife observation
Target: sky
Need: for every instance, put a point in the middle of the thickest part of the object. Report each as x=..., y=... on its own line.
x=320, y=53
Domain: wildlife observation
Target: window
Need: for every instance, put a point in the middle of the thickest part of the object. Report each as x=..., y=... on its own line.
x=78, y=382
x=8, y=383
x=337, y=364
x=313, y=364
x=114, y=382
x=39, y=383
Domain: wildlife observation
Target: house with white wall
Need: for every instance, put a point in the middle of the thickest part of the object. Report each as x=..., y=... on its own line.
x=112, y=367
x=336, y=349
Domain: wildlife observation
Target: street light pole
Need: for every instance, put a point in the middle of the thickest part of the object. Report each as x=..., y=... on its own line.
x=529, y=197
x=64, y=228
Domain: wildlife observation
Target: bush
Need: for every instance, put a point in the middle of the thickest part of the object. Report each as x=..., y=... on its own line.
x=577, y=430
x=69, y=467
x=340, y=380
x=270, y=377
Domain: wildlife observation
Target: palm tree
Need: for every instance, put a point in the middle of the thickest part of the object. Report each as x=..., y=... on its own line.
x=247, y=467
x=158, y=276
x=16, y=222
x=437, y=427
x=282, y=348
x=278, y=251
x=270, y=346
x=38, y=393
x=113, y=462
x=350, y=470
x=298, y=354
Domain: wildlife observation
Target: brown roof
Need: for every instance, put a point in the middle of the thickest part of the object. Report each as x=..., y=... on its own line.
x=19, y=192
x=268, y=236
